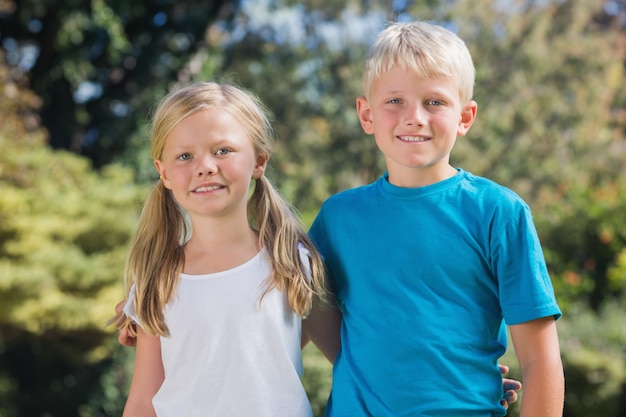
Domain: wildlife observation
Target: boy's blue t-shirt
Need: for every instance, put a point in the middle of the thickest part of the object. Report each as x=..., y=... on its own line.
x=426, y=279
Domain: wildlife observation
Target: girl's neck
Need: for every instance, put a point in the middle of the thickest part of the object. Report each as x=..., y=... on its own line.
x=219, y=246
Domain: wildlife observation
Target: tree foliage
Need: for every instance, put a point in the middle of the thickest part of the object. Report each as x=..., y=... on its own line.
x=63, y=235
x=547, y=115
x=99, y=66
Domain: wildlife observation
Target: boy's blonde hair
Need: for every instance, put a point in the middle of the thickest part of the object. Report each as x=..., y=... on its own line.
x=430, y=50
x=156, y=257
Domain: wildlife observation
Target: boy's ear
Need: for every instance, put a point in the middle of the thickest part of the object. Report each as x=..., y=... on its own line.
x=365, y=114
x=468, y=115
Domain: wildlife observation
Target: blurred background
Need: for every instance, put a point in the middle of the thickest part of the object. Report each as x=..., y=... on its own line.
x=79, y=78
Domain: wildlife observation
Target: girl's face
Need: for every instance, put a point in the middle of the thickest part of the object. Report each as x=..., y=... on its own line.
x=208, y=162
x=415, y=122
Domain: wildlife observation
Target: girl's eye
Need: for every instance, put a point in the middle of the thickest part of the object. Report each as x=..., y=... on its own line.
x=434, y=103
x=184, y=157
x=222, y=151
x=394, y=101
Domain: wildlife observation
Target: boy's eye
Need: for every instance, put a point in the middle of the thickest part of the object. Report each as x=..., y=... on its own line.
x=394, y=101
x=434, y=103
x=184, y=156
x=222, y=151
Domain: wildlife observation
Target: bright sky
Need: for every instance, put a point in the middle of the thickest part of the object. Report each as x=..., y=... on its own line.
x=349, y=28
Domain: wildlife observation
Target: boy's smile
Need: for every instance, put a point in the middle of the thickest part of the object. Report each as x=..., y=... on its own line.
x=413, y=138
x=415, y=122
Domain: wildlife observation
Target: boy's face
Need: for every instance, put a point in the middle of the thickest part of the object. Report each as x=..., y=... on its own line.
x=415, y=122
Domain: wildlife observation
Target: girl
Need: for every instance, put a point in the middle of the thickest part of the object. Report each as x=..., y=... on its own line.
x=218, y=279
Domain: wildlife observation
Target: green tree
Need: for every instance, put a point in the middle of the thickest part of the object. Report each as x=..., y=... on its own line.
x=99, y=66
x=63, y=235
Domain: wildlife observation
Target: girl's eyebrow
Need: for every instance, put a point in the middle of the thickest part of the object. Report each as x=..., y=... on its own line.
x=177, y=148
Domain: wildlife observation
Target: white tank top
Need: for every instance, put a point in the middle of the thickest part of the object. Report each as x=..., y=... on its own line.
x=230, y=353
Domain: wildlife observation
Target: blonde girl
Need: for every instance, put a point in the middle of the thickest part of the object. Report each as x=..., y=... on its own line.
x=219, y=277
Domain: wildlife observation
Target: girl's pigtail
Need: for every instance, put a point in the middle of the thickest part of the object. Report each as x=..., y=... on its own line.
x=156, y=258
x=281, y=233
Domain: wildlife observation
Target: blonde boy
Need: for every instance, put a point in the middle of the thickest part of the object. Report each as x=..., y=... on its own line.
x=430, y=263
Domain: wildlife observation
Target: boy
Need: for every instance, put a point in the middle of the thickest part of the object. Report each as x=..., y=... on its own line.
x=429, y=261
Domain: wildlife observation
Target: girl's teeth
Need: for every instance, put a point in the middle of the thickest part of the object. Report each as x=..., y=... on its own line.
x=203, y=189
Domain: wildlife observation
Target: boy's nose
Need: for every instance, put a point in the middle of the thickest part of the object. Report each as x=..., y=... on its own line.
x=415, y=116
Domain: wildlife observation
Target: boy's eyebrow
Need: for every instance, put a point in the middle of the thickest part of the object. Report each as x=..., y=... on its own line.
x=392, y=90
x=437, y=92
x=441, y=93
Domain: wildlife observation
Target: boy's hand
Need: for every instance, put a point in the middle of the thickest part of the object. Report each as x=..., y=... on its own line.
x=510, y=387
x=124, y=337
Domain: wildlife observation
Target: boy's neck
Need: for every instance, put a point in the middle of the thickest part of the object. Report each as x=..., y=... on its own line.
x=420, y=177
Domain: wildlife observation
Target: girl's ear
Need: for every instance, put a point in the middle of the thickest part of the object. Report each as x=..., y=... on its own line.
x=468, y=115
x=365, y=114
x=261, y=164
x=159, y=166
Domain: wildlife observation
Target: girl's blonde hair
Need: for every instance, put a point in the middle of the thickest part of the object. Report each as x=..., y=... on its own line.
x=156, y=257
x=430, y=50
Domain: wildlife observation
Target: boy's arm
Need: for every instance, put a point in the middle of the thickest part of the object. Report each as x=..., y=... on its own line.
x=322, y=327
x=148, y=376
x=537, y=348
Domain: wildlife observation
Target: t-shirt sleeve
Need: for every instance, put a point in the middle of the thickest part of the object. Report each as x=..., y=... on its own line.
x=524, y=284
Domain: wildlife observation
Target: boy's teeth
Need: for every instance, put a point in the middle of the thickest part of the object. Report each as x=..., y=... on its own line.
x=412, y=139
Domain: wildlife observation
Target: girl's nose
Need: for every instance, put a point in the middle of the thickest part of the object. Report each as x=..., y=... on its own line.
x=207, y=166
